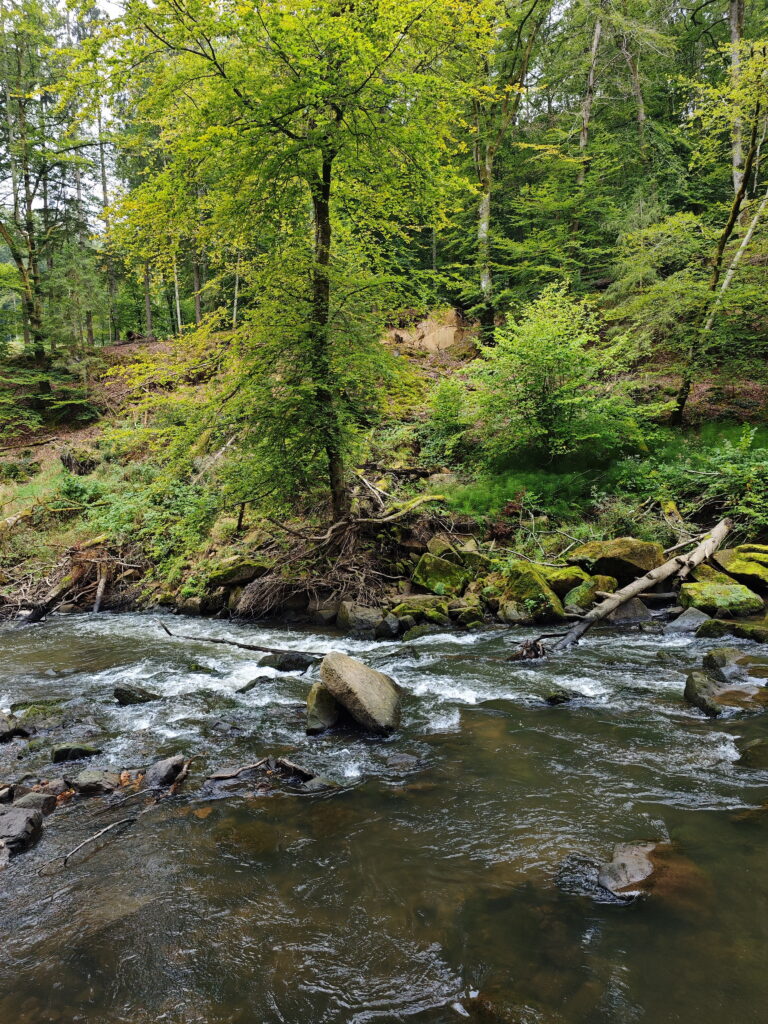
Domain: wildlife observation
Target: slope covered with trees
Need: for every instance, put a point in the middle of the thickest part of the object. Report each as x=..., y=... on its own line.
x=267, y=196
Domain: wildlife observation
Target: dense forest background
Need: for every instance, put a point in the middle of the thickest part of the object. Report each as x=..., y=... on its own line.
x=270, y=189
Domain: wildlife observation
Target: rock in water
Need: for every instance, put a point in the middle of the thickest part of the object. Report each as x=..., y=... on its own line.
x=527, y=597
x=43, y=802
x=688, y=622
x=726, y=601
x=632, y=610
x=73, y=752
x=164, y=773
x=715, y=628
x=127, y=695
x=288, y=661
x=323, y=710
x=95, y=783
x=728, y=678
x=20, y=827
x=628, y=873
x=371, y=698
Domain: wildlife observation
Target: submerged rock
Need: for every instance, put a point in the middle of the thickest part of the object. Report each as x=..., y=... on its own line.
x=165, y=772
x=724, y=600
x=625, y=558
x=73, y=752
x=754, y=754
x=629, y=872
x=559, y=696
x=20, y=827
x=370, y=697
x=253, y=683
x=129, y=694
x=728, y=678
x=323, y=711
x=688, y=622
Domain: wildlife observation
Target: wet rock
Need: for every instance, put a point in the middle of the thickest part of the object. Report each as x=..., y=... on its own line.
x=625, y=558
x=440, y=576
x=20, y=827
x=716, y=628
x=725, y=663
x=415, y=632
x=190, y=605
x=403, y=762
x=559, y=696
x=10, y=729
x=289, y=661
x=73, y=752
x=754, y=754
x=318, y=784
x=323, y=612
x=258, y=681
x=163, y=773
x=237, y=569
x=527, y=597
x=700, y=690
x=128, y=694
x=94, y=783
x=725, y=601
x=632, y=610
x=323, y=711
x=630, y=871
x=56, y=787
x=688, y=622
x=388, y=628
x=584, y=595
x=370, y=697
x=358, y=619
x=729, y=678
x=6, y=794
x=43, y=802
x=471, y=618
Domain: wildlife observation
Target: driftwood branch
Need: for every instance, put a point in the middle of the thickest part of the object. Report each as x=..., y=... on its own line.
x=234, y=643
x=94, y=837
x=678, y=566
x=223, y=776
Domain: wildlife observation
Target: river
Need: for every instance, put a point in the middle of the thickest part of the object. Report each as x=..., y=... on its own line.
x=428, y=887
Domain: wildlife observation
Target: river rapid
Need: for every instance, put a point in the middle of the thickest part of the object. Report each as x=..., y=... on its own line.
x=428, y=887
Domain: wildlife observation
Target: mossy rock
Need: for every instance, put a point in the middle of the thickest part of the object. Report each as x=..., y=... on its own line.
x=237, y=569
x=716, y=628
x=442, y=547
x=564, y=579
x=749, y=567
x=471, y=618
x=419, y=610
x=708, y=574
x=476, y=562
x=440, y=576
x=585, y=595
x=417, y=631
x=528, y=598
x=625, y=558
x=724, y=600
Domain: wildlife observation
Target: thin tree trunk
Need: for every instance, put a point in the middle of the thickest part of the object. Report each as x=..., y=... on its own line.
x=321, y=304
x=736, y=26
x=196, y=286
x=637, y=90
x=586, y=103
x=237, y=290
x=147, y=303
x=177, y=301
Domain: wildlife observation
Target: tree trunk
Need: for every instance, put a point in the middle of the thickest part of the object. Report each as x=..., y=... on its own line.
x=736, y=26
x=679, y=565
x=196, y=286
x=637, y=91
x=321, y=305
x=177, y=301
x=147, y=303
x=484, y=240
x=236, y=295
x=586, y=103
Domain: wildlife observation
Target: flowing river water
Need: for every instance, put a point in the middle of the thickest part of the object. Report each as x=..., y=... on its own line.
x=428, y=887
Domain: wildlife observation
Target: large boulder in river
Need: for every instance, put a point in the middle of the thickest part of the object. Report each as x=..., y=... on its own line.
x=564, y=578
x=715, y=628
x=629, y=872
x=128, y=694
x=527, y=597
x=20, y=827
x=625, y=558
x=359, y=619
x=440, y=576
x=688, y=622
x=586, y=593
x=370, y=697
x=729, y=678
x=730, y=601
x=323, y=710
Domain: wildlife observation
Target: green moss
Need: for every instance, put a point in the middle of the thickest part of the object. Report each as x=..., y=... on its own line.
x=440, y=576
x=585, y=595
x=748, y=567
x=624, y=558
x=564, y=579
x=527, y=598
x=716, y=628
x=725, y=601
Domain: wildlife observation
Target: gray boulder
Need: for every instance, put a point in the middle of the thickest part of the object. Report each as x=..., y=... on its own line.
x=289, y=661
x=632, y=610
x=73, y=752
x=628, y=874
x=127, y=695
x=20, y=827
x=358, y=618
x=43, y=802
x=688, y=622
x=164, y=773
x=10, y=729
x=95, y=783
x=371, y=698
x=388, y=628
x=323, y=711
x=701, y=690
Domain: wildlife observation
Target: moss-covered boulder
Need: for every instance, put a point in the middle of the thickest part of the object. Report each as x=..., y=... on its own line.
x=585, y=594
x=440, y=576
x=417, y=605
x=563, y=579
x=625, y=558
x=527, y=597
x=716, y=628
x=476, y=562
x=237, y=569
x=442, y=547
x=729, y=601
x=708, y=574
x=748, y=564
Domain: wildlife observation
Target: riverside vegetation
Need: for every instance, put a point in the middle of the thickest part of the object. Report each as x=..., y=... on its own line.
x=383, y=326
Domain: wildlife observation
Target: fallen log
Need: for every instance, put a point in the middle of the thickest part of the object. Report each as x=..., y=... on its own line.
x=234, y=643
x=678, y=566
x=56, y=594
